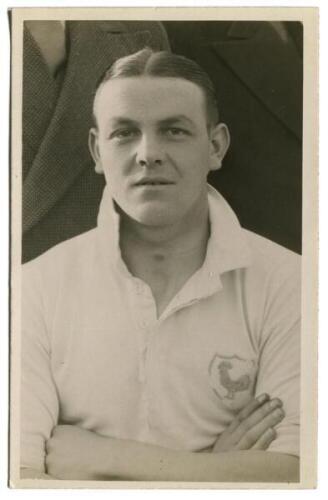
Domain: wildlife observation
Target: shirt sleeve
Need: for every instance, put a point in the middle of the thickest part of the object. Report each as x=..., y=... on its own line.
x=279, y=368
x=39, y=401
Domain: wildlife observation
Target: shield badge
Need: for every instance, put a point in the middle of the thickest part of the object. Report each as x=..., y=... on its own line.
x=232, y=378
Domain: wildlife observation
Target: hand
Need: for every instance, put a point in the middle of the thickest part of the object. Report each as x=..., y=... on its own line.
x=73, y=453
x=253, y=428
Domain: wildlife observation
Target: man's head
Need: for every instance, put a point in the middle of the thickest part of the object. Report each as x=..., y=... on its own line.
x=157, y=135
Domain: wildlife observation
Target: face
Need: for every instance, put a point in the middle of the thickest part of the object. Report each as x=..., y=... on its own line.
x=154, y=146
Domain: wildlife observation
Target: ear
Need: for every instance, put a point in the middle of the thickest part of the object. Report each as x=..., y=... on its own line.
x=220, y=141
x=94, y=149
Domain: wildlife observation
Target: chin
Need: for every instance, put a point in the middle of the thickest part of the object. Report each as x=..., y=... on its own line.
x=154, y=217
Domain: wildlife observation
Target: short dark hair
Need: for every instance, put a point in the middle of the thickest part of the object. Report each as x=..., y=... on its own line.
x=146, y=62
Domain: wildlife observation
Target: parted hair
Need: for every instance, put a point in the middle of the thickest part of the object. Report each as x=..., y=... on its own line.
x=147, y=62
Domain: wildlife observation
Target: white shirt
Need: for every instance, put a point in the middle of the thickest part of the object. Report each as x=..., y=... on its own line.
x=96, y=355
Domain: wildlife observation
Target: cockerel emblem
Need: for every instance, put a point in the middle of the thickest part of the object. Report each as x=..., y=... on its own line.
x=232, y=378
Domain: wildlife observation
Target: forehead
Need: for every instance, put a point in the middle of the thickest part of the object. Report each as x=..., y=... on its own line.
x=149, y=98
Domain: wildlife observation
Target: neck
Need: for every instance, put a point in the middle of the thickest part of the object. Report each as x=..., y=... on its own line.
x=165, y=257
x=188, y=234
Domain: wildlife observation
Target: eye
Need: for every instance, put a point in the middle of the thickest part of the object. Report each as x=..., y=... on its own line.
x=123, y=134
x=176, y=132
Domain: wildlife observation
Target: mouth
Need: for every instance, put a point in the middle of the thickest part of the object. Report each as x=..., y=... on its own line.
x=154, y=182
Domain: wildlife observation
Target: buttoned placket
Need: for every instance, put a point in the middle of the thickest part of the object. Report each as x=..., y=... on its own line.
x=145, y=313
x=146, y=322
x=143, y=310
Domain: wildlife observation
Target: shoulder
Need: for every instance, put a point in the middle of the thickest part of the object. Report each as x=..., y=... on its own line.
x=62, y=258
x=274, y=273
x=271, y=288
x=268, y=256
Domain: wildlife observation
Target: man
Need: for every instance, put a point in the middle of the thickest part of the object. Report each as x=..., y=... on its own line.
x=150, y=336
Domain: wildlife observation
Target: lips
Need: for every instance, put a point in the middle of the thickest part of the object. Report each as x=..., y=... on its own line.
x=154, y=181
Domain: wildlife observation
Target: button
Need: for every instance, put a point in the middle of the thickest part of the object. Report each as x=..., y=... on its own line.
x=143, y=323
x=211, y=274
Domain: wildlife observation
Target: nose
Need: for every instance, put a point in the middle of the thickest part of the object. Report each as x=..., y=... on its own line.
x=149, y=152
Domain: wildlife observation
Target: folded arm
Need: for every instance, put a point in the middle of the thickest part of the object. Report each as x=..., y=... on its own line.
x=74, y=453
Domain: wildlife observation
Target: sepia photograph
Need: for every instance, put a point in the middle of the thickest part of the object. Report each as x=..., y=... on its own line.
x=163, y=247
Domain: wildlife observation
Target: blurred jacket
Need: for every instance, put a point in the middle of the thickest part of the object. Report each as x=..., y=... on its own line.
x=257, y=71
x=61, y=191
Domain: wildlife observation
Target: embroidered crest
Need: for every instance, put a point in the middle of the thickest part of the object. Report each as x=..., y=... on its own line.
x=232, y=378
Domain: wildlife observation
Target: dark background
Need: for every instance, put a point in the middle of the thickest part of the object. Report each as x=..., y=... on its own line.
x=257, y=71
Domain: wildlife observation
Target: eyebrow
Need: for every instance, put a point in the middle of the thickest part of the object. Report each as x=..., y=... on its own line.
x=175, y=119
x=121, y=120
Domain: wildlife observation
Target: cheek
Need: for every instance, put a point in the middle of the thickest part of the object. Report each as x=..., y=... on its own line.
x=195, y=168
x=106, y=152
x=195, y=158
x=114, y=162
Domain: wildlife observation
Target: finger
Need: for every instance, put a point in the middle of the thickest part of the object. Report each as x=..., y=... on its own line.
x=253, y=405
x=254, y=418
x=249, y=438
x=265, y=440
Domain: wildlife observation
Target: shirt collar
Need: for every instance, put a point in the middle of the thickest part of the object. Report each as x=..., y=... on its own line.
x=227, y=247
x=108, y=225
